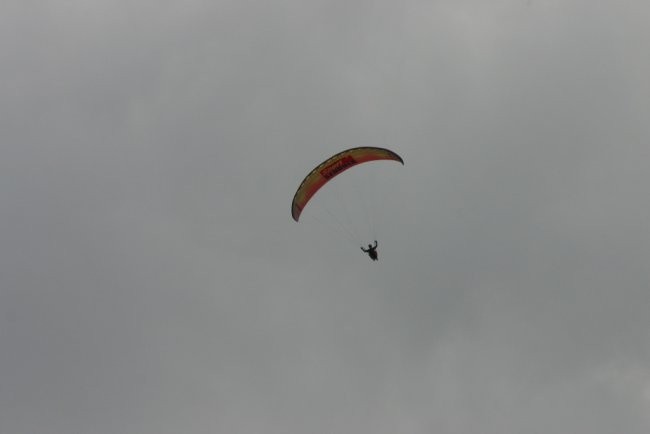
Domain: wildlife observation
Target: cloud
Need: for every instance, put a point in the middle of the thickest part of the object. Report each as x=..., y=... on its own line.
x=151, y=277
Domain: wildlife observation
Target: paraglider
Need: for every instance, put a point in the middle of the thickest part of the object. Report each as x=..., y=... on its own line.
x=331, y=168
x=371, y=251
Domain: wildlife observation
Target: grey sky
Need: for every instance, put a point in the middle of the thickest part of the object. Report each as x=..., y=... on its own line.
x=152, y=279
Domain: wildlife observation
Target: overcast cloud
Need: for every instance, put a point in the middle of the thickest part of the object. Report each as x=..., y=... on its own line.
x=152, y=280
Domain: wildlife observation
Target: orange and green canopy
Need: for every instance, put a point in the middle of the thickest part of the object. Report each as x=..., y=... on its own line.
x=332, y=167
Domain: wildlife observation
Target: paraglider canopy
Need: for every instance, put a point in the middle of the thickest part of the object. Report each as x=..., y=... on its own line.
x=332, y=167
